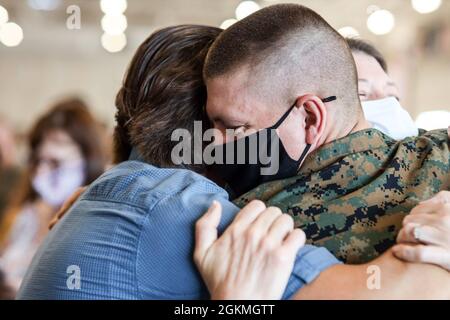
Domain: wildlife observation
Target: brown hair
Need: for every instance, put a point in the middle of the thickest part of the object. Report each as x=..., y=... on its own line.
x=162, y=90
x=358, y=45
x=73, y=117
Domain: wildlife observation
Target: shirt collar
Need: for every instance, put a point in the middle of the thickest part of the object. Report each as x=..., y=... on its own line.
x=356, y=142
x=135, y=155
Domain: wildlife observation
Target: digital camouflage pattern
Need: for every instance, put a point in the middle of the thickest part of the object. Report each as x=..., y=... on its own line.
x=351, y=195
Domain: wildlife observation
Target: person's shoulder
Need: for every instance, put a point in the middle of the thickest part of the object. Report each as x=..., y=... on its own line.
x=430, y=150
x=428, y=141
x=140, y=183
x=438, y=136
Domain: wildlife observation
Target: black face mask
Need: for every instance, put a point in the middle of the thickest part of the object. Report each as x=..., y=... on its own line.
x=257, y=158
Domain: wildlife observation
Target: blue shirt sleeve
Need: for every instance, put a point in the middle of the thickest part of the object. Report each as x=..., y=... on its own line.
x=168, y=231
x=309, y=263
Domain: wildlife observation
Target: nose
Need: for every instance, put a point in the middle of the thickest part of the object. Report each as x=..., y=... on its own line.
x=220, y=136
x=377, y=94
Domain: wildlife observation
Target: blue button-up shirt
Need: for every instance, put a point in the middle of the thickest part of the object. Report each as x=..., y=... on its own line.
x=131, y=236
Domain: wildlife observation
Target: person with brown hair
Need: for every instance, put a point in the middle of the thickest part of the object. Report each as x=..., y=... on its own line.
x=9, y=170
x=130, y=235
x=65, y=152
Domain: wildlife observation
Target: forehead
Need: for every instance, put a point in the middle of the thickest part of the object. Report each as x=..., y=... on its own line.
x=368, y=67
x=227, y=95
x=234, y=96
x=57, y=144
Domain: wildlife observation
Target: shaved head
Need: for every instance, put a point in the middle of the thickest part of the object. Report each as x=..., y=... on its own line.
x=288, y=50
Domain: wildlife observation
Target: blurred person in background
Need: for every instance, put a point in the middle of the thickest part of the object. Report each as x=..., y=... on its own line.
x=65, y=152
x=374, y=81
x=379, y=95
x=381, y=104
x=6, y=293
x=9, y=171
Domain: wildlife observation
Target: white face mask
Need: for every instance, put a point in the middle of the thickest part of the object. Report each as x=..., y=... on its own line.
x=388, y=116
x=57, y=185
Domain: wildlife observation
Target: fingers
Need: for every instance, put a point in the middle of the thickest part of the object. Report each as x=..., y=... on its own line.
x=264, y=221
x=439, y=220
x=247, y=215
x=206, y=230
x=295, y=240
x=433, y=205
x=281, y=227
x=428, y=235
x=406, y=234
x=422, y=254
x=53, y=222
x=66, y=206
x=442, y=197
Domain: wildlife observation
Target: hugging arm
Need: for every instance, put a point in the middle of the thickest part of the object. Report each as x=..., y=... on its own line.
x=398, y=280
x=383, y=278
x=257, y=252
x=425, y=276
x=425, y=236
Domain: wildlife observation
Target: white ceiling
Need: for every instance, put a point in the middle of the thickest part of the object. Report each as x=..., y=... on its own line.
x=44, y=30
x=53, y=61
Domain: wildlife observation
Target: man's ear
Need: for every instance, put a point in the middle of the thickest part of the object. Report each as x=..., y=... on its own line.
x=316, y=115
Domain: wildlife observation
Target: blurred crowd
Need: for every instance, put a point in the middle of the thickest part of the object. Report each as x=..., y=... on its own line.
x=65, y=149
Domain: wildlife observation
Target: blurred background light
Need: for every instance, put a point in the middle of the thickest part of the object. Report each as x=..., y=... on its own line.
x=431, y=120
x=44, y=5
x=246, y=8
x=426, y=6
x=114, y=43
x=381, y=22
x=11, y=34
x=114, y=24
x=3, y=16
x=228, y=23
x=113, y=6
x=349, y=32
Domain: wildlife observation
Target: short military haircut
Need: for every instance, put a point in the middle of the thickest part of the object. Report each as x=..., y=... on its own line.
x=289, y=48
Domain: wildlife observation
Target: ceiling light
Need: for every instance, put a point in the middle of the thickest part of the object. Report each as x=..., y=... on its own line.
x=114, y=43
x=44, y=5
x=3, y=15
x=426, y=6
x=11, y=34
x=381, y=22
x=113, y=6
x=114, y=24
x=228, y=23
x=349, y=32
x=246, y=8
x=431, y=120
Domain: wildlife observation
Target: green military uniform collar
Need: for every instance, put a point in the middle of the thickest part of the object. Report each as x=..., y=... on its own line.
x=353, y=143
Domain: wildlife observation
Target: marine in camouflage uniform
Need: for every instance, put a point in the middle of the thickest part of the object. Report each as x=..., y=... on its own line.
x=352, y=194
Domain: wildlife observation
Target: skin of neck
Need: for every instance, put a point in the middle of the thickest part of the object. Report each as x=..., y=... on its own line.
x=333, y=132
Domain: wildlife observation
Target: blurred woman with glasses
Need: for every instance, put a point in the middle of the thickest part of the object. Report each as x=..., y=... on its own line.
x=65, y=152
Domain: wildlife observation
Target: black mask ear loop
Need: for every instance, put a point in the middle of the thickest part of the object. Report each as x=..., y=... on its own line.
x=279, y=122
x=286, y=114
